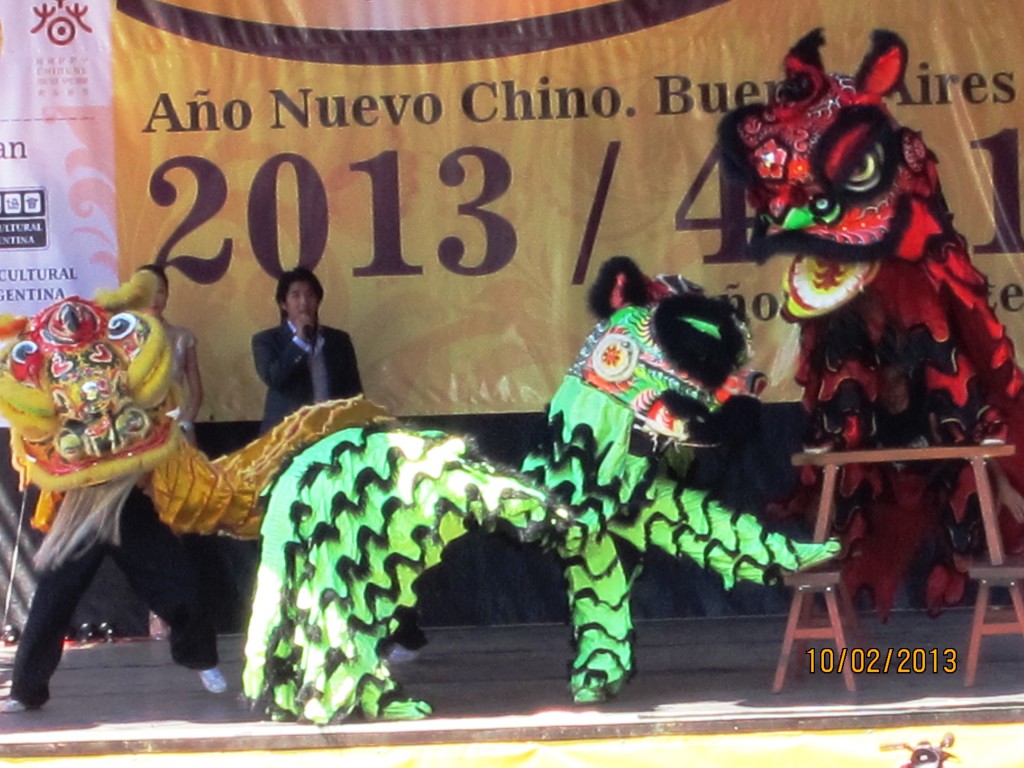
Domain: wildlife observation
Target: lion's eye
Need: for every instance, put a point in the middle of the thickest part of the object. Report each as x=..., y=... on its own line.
x=867, y=175
x=23, y=350
x=121, y=325
x=132, y=422
x=70, y=446
x=825, y=209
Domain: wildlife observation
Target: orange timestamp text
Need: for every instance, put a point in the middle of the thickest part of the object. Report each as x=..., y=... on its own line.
x=881, y=661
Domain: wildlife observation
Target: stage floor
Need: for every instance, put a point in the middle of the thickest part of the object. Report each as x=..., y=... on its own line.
x=508, y=684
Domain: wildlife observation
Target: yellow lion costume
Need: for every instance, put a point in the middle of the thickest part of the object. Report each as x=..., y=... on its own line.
x=87, y=388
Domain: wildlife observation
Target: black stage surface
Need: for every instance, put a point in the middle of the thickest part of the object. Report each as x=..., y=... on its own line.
x=508, y=684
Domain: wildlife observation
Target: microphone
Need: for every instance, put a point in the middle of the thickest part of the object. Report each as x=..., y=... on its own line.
x=309, y=332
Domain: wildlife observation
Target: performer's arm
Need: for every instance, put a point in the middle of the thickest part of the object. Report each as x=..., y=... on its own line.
x=274, y=364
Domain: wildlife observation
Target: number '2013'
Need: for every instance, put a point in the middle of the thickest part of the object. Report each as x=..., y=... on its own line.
x=212, y=192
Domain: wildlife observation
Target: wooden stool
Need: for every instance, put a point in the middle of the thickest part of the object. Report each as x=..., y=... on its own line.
x=994, y=620
x=802, y=625
x=829, y=584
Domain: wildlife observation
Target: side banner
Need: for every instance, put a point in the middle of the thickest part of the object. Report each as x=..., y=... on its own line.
x=57, y=201
x=455, y=172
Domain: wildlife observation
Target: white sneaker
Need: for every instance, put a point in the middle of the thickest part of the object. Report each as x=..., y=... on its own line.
x=213, y=680
x=12, y=706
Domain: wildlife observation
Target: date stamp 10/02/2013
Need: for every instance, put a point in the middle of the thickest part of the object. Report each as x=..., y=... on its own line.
x=882, y=661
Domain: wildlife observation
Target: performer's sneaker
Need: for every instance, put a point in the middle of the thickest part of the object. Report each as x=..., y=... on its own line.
x=213, y=680
x=399, y=654
x=11, y=706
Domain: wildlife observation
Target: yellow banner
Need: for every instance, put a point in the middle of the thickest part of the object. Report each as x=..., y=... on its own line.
x=456, y=177
x=991, y=746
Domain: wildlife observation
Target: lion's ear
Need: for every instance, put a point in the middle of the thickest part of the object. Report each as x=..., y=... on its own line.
x=619, y=283
x=137, y=293
x=883, y=68
x=805, y=57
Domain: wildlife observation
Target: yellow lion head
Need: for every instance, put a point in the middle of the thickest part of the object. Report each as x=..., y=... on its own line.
x=87, y=388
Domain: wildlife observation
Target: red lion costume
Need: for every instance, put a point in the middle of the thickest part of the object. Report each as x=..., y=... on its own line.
x=898, y=343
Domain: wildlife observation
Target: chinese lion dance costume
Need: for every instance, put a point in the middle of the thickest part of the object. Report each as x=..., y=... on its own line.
x=352, y=506
x=898, y=344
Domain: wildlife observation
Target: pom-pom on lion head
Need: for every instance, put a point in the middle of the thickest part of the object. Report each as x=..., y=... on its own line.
x=86, y=386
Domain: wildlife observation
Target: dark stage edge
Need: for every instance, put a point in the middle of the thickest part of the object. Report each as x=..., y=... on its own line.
x=508, y=684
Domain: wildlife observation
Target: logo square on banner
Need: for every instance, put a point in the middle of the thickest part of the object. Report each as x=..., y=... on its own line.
x=23, y=222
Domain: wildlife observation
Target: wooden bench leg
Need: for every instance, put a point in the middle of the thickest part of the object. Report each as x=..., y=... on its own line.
x=977, y=630
x=1018, y=604
x=835, y=617
x=986, y=623
x=796, y=609
x=849, y=610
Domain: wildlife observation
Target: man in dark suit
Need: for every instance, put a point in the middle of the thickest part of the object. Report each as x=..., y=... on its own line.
x=301, y=361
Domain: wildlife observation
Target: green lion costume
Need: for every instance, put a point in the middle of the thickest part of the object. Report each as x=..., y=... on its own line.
x=352, y=521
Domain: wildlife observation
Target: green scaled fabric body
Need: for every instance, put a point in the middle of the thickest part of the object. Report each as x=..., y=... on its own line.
x=618, y=497
x=351, y=523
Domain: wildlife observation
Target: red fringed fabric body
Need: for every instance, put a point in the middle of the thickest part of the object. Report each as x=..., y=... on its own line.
x=931, y=316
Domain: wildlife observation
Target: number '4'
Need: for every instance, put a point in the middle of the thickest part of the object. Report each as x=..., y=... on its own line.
x=732, y=221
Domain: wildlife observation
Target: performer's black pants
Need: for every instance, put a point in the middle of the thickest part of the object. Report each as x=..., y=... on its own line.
x=408, y=634
x=158, y=569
